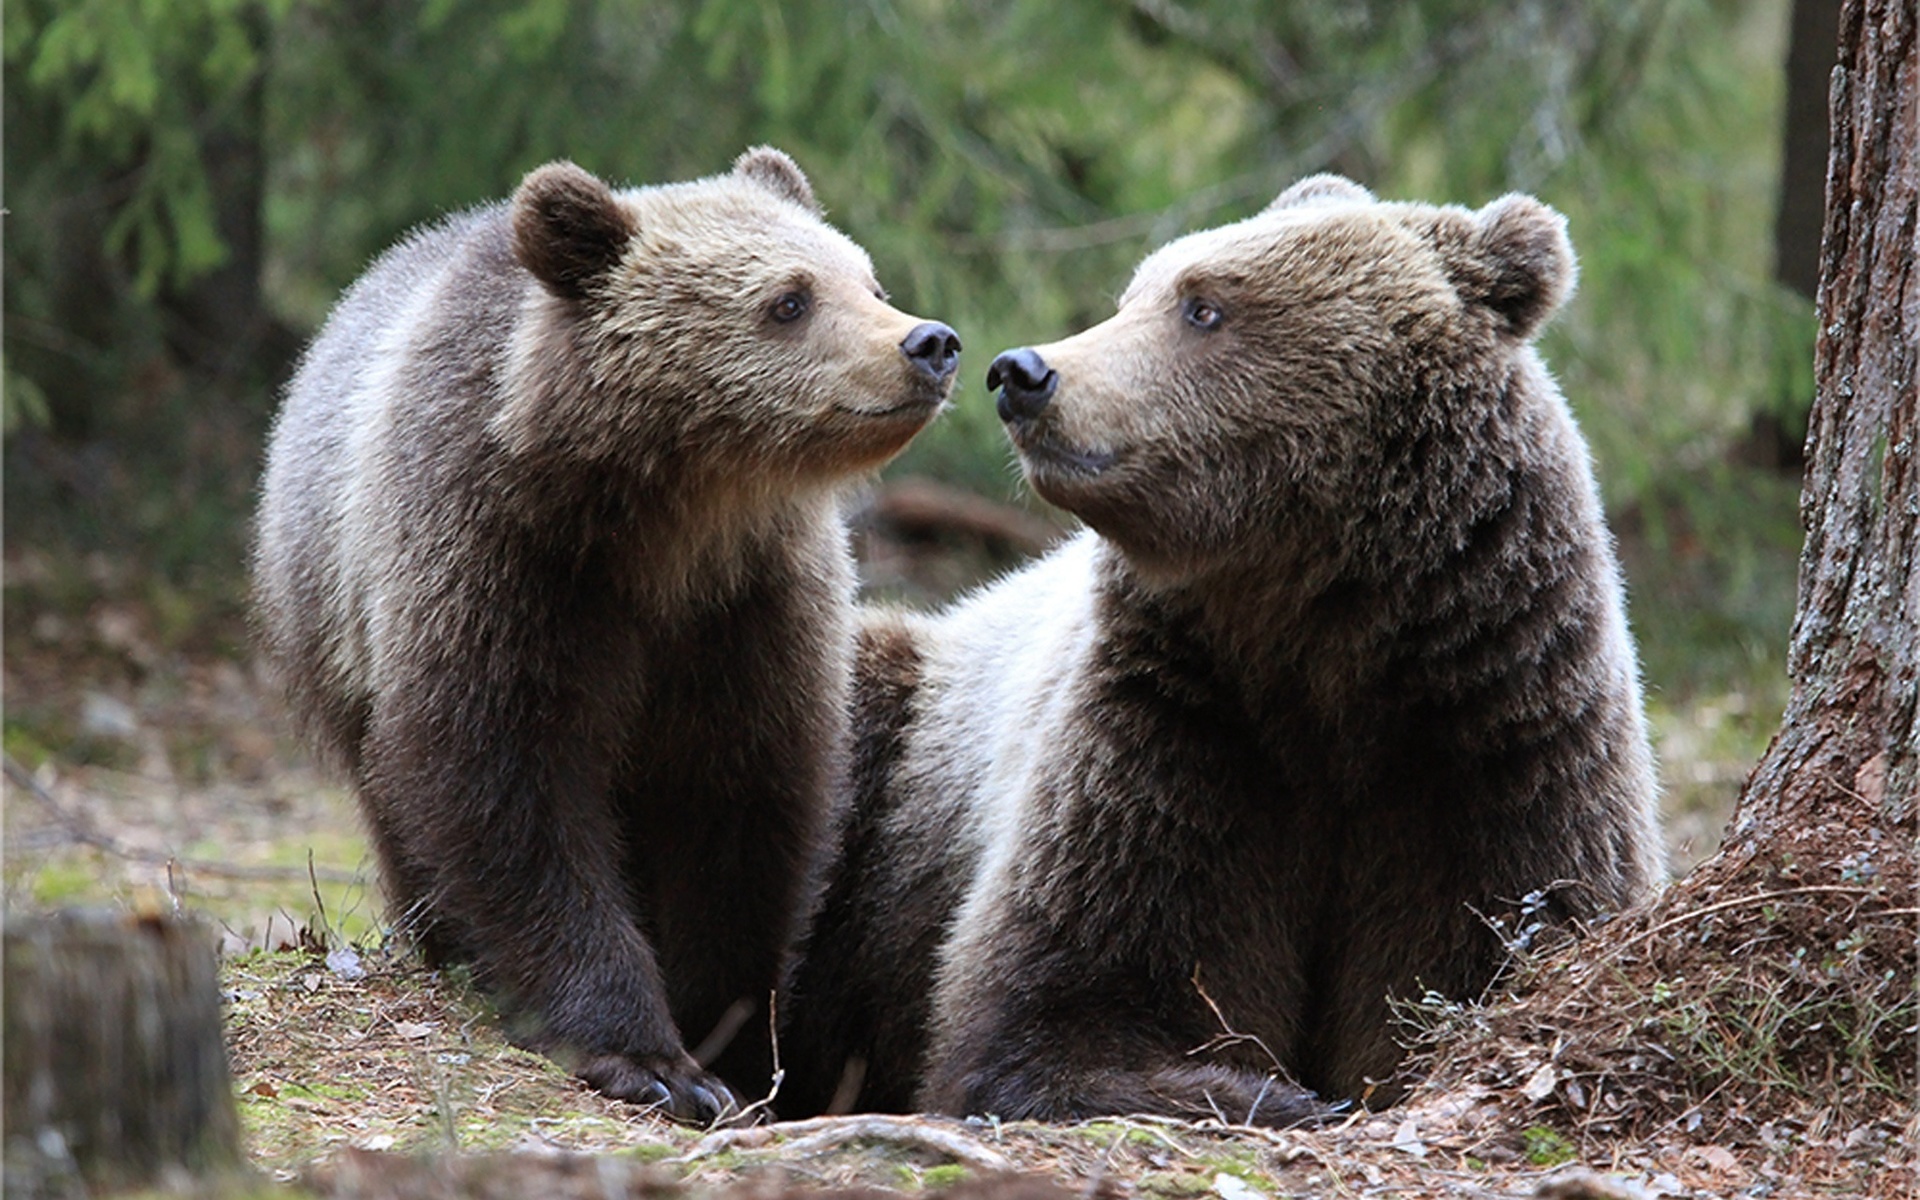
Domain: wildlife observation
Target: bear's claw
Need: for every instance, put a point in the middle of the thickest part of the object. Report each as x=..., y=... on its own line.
x=680, y=1090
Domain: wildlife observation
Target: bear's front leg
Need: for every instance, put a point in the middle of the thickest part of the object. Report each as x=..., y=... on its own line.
x=1083, y=1044
x=507, y=820
x=1050, y=1018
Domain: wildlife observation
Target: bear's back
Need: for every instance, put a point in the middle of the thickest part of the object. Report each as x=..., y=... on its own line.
x=321, y=501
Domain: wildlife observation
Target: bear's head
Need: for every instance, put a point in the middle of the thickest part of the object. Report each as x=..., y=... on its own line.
x=1267, y=375
x=718, y=325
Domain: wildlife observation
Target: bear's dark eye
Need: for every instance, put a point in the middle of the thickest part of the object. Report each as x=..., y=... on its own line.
x=790, y=307
x=1202, y=314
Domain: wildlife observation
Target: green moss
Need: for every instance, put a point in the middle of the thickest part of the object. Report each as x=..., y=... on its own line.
x=1546, y=1147
x=326, y=1091
x=29, y=744
x=1175, y=1183
x=65, y=879
x=722, y=1164
x=1111, y=1133
x=1242, y=1161
x=944, y=1175
x=269, y=966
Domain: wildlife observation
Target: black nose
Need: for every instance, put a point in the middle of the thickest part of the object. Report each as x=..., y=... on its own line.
x=1025, y=381
x=933, y=347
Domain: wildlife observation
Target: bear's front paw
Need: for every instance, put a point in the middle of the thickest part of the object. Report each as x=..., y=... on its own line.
x=1283, y=1105
x=677, y=1088
x=1238, y=1096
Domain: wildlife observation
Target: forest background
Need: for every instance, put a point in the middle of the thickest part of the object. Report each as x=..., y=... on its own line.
x=190, y=184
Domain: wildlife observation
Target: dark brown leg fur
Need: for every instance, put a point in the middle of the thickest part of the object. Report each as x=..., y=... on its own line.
x=561, y=950
x=613, y=825
x=1188, y=1091
x=855, y=1016
x=742, y=799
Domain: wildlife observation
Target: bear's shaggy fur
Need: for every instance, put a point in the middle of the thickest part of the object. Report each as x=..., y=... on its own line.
x=1339, y=678
x=549, y=562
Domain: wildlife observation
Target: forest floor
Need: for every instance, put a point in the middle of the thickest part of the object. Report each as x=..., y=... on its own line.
x=148, y=767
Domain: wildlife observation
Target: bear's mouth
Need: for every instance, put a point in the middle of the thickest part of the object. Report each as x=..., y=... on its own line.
x=917, y=407
x=1045, y=454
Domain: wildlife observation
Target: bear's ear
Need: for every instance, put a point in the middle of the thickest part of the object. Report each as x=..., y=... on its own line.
x=779, y=174
x=568, y=229
x=1519, y=262
x=1322, y=189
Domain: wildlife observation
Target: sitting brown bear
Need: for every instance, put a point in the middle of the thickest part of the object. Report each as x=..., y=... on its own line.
x=1338, y=679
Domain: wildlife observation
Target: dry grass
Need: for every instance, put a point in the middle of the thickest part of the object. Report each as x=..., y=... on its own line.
x=398, y=1059
x=1568, y=1079
x=1764, y=1019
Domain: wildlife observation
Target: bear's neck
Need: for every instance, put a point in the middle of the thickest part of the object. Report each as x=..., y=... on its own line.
x=664, y=538
x=1491, y=562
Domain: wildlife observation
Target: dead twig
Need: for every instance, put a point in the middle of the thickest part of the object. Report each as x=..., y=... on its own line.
x=1229, y=1036
x=80, y=829
x=764, y=1103
x=1693, y=914
x=822, y=1134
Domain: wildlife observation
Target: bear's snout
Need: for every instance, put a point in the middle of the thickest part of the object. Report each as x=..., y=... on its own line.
x=934, y=348
x=1025, y=381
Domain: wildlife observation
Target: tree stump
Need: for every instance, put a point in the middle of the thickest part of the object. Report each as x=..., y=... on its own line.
x=116, y=1074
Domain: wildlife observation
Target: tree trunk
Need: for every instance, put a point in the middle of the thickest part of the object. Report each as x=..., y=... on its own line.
x=1847, y=745
x=116, y=1072
x=1803, y=162
x=218, y=326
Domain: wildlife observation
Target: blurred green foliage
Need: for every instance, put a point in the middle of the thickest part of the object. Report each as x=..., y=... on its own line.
x=1005, y=162
x=127, y=85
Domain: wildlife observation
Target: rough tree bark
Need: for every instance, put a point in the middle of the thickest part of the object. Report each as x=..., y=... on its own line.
x=1848, y=736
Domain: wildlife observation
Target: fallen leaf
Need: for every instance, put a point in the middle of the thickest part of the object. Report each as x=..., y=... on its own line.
x=107, y=716
x=1579, y=1183
x=345, y=962
x=1539, y=1085
x=1870, y=781
x=1406, y=1139
x=1232, y=1187
x=1719, y=1159
x=411, y=1029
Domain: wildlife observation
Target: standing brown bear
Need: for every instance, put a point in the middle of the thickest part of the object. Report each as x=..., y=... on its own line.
x=1339, y=676
x=549, y=561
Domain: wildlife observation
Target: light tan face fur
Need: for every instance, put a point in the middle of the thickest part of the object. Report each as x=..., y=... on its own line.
x=703, y=285
x=738, y=328
x=1251, y=370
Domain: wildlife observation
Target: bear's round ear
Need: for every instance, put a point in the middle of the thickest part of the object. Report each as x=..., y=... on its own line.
x=1322, y=189
x=774, y=170
x=568, y=229
x=1520, y=262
